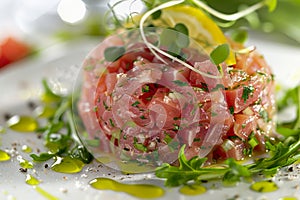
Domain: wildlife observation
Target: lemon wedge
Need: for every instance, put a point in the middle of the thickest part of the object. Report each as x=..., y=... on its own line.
x=201, y=27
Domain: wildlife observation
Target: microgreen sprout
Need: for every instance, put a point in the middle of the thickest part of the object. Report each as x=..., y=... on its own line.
x=156, y=50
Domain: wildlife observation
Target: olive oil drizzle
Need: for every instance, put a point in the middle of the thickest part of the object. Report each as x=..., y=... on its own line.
x=31, y=180
x=44, y=193
x=192, y=189
x=264, y=186
x=22, y=123
x=67, y=165
x=136, y=190
x=4, y=156
x=25, y=163
x=288, y=198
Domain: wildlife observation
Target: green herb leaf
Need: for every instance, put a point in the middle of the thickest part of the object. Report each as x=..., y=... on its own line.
x=42, y=157
x=281, y=154
x=247, y=91
x=271, y=4
x=231, y=109
x=112, y=54
x=220, y=54
x=156, y=15
x=135, y=104
x=60, y=134
x=182, y=39
x=180, y=27
x=145, y=88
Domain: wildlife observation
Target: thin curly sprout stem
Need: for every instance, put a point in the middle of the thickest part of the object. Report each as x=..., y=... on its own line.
x=145, y=17
x=184, y=63
x=229, y=17
x=154, y=49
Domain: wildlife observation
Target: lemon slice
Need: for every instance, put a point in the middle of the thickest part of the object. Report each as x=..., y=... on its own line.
x=201, y=27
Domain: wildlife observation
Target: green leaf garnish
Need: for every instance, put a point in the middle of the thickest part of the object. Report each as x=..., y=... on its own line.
x=60, y=134
x=247, y=91
x=112, y=54
x=180, y=27
x=156, y=15
x=135, y=104
x=220, y=54
x=42, y=157
x=230, y=172
x=271, y=4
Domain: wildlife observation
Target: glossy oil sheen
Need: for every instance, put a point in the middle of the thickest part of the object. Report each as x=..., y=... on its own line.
x=264, y=186
x=136, y=190
x=22, y=123
x=67, y=165
x=192, y=189
x=45, y=194
x=288, y=198
x=31, y=180
x=25, y=163
x=4, y=156
x=26, y=149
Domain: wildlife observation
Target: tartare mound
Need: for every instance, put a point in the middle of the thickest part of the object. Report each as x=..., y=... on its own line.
x=142, y=108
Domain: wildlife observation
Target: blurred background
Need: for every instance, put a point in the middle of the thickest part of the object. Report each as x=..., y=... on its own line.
x=29, y=26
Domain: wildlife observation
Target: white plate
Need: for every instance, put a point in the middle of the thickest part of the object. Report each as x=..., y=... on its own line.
x=21, y=83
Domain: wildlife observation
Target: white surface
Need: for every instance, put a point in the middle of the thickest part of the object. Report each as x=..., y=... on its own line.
x=22, y=82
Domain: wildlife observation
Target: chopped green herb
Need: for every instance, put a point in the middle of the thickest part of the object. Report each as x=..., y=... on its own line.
x=253, y=142
x=247, y=92
x=105, y=106
x=176, y=118
x=135, y=104
x=167, y=138
x=231, y=109
x=111, y=122
x=139, y=146
x=143, y=117
x=145, y=88
x=176, y=127
x=95, y=109
x=196, y=140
